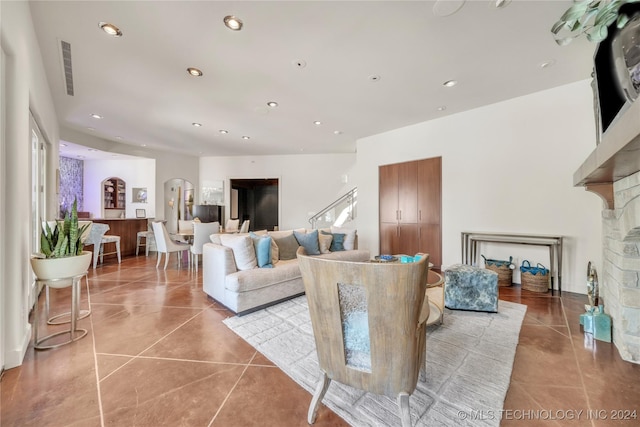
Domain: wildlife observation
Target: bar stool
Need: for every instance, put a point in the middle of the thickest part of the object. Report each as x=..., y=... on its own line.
x=148, y=241
x=74, y=332
x=107, y=238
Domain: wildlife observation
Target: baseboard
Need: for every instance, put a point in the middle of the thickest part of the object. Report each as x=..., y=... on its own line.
x=14, y=358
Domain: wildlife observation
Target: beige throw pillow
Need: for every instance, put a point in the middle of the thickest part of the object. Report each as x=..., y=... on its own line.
x=325, y=242
x=243, y=250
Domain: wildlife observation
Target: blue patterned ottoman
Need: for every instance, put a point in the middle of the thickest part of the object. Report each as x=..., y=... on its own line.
x=470, y=288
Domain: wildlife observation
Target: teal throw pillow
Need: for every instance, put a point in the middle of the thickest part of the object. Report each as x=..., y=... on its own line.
x=287, y=246
x=337, y=244
x=262, y=245
x=309, y=241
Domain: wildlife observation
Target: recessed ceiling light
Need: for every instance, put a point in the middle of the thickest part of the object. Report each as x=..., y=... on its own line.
x=246, y=137
x=196, y=124
x=450, y=83
x=447, y=7
x=317, y=123
x=144, y=145
x=299, y=63
x=96, y=116
x=223, y=131
x=337, y=132
x=233, y=23
x=194, y=72
x=110, y=29
x=441, y=108
x=547, y=64
x=501, y=4
x=272, y=104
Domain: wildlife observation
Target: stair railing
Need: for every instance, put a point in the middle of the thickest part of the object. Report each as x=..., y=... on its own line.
x=342, y=210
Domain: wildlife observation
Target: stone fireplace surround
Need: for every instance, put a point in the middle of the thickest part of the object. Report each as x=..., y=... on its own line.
x=612, y=171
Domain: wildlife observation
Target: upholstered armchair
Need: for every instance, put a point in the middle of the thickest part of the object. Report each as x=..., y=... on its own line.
x=369, y=324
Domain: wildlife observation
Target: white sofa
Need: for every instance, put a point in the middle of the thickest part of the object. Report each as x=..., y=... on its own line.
x=242, y=289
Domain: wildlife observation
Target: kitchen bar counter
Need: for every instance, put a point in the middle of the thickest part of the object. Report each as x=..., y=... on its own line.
x=127, y=229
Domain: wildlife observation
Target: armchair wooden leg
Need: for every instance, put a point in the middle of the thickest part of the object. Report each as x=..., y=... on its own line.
x=405, y=413
x=321, y=389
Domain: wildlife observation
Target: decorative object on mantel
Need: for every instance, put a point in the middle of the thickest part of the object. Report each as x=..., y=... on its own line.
x=593, y=288
x=503, y=268
x=591, y=17
x=595, y=321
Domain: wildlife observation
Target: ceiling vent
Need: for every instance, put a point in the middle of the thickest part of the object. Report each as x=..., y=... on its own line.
x=66, y=65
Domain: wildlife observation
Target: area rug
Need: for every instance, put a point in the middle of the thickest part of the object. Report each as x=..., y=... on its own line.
x=469, y=362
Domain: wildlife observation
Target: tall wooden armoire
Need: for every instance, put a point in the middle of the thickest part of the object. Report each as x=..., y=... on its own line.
x=410, y=208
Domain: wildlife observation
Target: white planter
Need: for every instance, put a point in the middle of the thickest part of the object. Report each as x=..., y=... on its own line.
x=60, y=268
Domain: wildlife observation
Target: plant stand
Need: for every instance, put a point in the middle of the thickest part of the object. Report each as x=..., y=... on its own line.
x=74, y=332
x=81, y=313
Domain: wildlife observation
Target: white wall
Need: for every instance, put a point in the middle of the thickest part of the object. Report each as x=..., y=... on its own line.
x=506, y=167
x=26, y=88
x=135, y=173
x=167, y=165
x=308, y=183
x=3, y=201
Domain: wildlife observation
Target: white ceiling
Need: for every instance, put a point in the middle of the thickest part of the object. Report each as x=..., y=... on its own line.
x=140, y=85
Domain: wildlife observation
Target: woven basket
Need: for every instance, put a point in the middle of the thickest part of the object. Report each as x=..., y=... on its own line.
x=503, y=268
x=534, y=279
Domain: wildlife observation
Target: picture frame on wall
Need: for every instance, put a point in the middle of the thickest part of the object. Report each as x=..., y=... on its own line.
x=141, y=213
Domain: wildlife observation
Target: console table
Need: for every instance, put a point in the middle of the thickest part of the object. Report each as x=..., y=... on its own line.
x=554, y=243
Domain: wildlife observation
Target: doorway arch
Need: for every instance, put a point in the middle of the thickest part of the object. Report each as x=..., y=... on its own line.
x=179, y=199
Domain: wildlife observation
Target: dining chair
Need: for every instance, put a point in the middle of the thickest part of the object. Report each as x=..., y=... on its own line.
x=166, y=246
x=244, y=228
x=185, y=226
x=201, y=233
x=232, y=226
x=369, y=324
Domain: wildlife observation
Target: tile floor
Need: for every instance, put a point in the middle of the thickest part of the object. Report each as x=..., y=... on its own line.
x=157, y=354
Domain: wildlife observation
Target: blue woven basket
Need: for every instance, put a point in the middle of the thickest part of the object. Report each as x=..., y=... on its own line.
x=535, y=279
x=502, y=267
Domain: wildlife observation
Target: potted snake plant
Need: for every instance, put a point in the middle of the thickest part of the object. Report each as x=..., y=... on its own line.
x=62, y=253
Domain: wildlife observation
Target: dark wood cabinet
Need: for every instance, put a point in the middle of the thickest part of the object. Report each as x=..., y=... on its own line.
x=410, y=208
x=209, y=213
x=430, y=208
x=407, y=192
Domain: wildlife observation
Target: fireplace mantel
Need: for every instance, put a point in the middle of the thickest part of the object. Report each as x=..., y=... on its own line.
x=617, y=156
